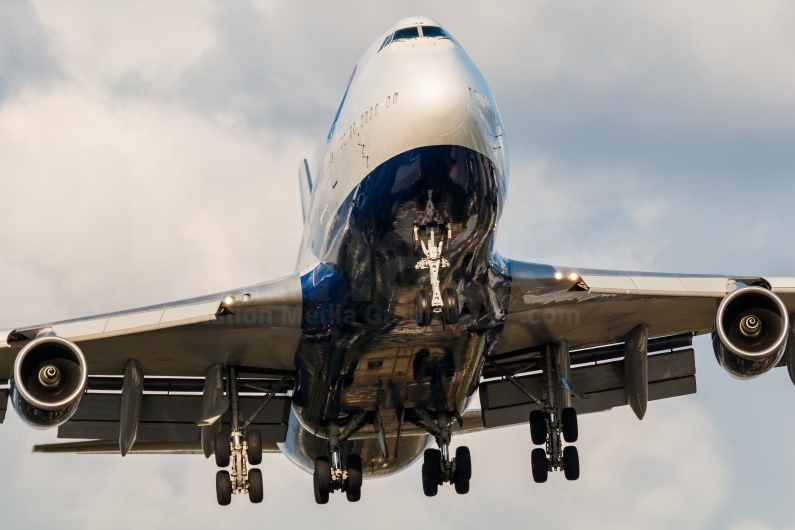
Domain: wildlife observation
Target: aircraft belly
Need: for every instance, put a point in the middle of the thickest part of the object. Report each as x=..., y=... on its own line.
x=362, y=350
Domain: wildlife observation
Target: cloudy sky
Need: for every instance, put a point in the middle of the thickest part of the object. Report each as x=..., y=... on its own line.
x=149, y=150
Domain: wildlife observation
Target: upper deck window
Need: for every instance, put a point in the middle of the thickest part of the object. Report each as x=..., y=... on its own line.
x=433, y=31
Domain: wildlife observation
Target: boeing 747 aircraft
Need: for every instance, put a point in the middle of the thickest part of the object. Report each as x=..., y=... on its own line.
x=400, y=310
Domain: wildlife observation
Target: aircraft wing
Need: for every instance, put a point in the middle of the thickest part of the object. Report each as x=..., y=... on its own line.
x=256, y=328
x=260, y=327
x=601, y=307
x=594, y=311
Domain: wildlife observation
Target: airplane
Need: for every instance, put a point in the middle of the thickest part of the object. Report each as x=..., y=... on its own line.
x=400, y=311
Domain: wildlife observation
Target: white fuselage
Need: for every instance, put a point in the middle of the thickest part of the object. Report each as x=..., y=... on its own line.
x=413, y=93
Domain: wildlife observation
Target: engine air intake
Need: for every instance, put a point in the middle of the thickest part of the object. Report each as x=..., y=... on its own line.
x=750, y=332
x=48, y=381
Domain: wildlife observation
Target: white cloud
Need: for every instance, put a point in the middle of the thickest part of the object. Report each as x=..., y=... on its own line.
x=163, y=164
x=154, y=40
x=149, y=203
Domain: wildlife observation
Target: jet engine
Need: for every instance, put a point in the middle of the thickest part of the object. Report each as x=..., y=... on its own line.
x=750, y=332
x=48, y=380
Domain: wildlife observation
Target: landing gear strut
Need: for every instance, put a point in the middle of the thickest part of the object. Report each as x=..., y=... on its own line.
x=547, y=426
x=330, y=475
x=235, y=448
x=437, y=466
x=431, y=229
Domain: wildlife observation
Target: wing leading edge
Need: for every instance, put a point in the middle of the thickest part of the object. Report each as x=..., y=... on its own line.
x=257, y=326
x=602, y=307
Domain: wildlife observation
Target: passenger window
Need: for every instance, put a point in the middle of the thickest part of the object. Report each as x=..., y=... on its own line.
x=406, y=33
x=433, y=31
x=388, y=98
x=376, y=109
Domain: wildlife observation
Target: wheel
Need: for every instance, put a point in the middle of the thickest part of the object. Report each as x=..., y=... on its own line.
x=571, y=463
x=462, y=487
x=254, y=442
x=223, y=488
x=353, y=495
x=322, y=479
x=432, y=460
x=321, y=498
x=222, y=450
x=423, y=307
x=538, y=427
x=568, y=418
x=430, y=489
x=354, y=472
x=463, y=465
x=431, y=471
x=538, y=459
x=450, y=306
x=255, y=492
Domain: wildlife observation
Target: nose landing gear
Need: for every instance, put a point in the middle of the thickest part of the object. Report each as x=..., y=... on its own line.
x=444, y=302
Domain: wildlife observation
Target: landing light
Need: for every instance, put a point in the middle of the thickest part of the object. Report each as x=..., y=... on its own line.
x=558, y=275
x=573, y=276
x=229, y=300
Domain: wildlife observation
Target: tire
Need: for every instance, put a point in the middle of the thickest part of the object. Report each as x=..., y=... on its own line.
x=450, y=306
x=462, y=487
x=571, y=463
x=431, y=472
x=463, y=465
x=423, y=307
x=568, y=418
x=432, y=460
x=353, y=495
x=321, y=498
x=354, y=465
x=254, y=442
x=322, y=480
x=222, y=450
x=223, y=488
x=538, y=459
x=428, y=488
x=538, y=427
x=255, y=492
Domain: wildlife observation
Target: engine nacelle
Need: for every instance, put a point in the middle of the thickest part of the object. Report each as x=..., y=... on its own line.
x=48, y=381
x=750, y=333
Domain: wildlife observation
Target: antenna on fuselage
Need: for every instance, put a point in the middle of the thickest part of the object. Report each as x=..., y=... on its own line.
x=305, y=184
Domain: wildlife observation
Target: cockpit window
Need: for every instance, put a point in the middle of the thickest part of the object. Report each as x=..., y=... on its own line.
x=406, y=33
x=433, y=31
x=387, y=40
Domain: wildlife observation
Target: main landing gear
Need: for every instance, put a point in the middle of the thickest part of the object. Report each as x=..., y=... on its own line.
x=547, y=426
x=236, y=448
x=437, y=466
x=429, y=227
x=330, y=475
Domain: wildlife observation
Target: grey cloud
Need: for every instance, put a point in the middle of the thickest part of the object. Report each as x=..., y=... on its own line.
x=26, y=57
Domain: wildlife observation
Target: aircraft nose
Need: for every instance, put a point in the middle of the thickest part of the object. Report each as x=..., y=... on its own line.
x=437, y=100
